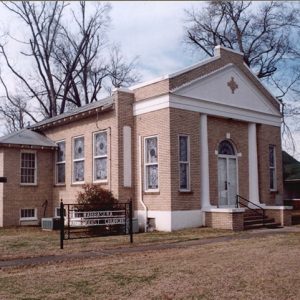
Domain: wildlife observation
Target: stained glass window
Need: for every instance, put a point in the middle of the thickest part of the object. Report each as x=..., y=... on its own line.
x=226, y=148
x=184, y=163
x=28, y=168
x=61, y=162
x=151, y=163
x=100, y=156
x=78, y=159
x=272, y=167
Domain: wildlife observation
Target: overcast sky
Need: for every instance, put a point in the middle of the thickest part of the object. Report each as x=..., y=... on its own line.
x=151, y=30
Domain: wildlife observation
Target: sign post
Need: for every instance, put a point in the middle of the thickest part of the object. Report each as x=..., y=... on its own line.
x=62, y=225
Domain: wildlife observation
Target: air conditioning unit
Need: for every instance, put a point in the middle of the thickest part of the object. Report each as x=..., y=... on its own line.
x=50, y=223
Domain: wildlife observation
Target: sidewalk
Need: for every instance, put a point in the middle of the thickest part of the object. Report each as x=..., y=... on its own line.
x=40, y=260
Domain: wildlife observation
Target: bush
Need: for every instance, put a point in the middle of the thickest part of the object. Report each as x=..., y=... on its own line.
x=95, y=198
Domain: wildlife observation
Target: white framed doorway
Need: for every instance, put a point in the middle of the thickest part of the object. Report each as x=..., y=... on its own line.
x=227, y=174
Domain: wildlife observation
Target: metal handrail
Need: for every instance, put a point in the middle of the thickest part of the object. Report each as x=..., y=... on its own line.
x=238, y=202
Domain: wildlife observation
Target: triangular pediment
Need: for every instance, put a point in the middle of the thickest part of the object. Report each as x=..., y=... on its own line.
x=228, y=86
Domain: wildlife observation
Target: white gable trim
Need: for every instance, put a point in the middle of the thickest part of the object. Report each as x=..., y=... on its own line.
x=195, y=66
x=151, y=104
x=228, y=49
x=245, y=80
x=204, y=106
x=262, y=84
x=181, y=87
x=222, y=110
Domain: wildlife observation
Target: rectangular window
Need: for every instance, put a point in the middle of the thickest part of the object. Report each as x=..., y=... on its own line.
x=78, y=159
x=28, y=168
x=28, y=214
x=100, y=156
x=57, y=212
x=61, y=163
x=151, y=163
x=272, y=167
x=184, y=163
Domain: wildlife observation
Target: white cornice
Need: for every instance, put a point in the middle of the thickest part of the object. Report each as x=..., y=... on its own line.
x=262, y=84
x=203, y=106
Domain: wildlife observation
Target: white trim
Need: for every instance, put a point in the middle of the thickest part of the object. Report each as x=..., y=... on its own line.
x=204, y=163
x=205, y=107
x=187, y=162
x=223, y=110
x=277, y=207
x=148, y=82
x=224, y=210
x=197, y=65
x=100, y=156
x=151, y=104
x=274, y=189
x=127, y=157
x=253, y=164
x=77, y=159
x=56, y=183
x=172, y=220
x=35, y=169
x=227, y=49
x=201, y=78
x=227, y=157
x=247, y=82
x=29, y=218
x=263, y=85
x=146, y=189
x=122, y=89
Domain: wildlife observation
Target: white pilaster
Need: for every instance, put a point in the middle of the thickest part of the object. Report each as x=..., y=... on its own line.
x=204, y=165
x=253, y=164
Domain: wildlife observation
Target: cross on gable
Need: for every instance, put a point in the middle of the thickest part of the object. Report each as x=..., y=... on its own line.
x=232, y=84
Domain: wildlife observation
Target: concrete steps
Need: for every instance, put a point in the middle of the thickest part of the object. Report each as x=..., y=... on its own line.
x=254, y=220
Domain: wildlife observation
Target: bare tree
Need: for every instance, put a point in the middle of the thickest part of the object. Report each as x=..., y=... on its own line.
x=71, y=60
x=263, y=34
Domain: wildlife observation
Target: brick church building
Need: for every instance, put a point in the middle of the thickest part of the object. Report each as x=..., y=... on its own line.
x=182, y=146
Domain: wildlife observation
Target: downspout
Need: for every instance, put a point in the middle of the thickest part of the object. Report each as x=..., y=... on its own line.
x=141, y=184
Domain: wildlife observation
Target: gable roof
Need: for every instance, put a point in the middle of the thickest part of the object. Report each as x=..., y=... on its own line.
x=223, y=56
x=27, y=137
x=80, y=112
x=215, y=88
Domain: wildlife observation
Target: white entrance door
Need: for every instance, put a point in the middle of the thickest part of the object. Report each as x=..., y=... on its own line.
x=227, y=180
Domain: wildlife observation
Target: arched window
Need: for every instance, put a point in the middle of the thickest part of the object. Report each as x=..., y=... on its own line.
x=225, y=147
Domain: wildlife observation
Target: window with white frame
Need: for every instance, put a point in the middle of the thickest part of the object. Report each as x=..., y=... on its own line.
x=184, y=163
x=100, y=156
x=28, y=167
x=151, y=163
x=61, y=163
x=272, y=167
x=28, y=214
x=78, y=159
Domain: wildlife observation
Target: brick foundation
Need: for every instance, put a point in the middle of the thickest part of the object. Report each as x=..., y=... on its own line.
x=232, y=220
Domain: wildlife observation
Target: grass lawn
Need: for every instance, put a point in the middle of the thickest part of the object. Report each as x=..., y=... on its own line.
x=264, y=267
x=22, y=242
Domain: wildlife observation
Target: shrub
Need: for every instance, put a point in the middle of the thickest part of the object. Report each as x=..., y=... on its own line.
x=95, y=198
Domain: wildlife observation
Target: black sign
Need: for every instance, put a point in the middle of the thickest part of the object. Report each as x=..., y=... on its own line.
x=3, y=179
